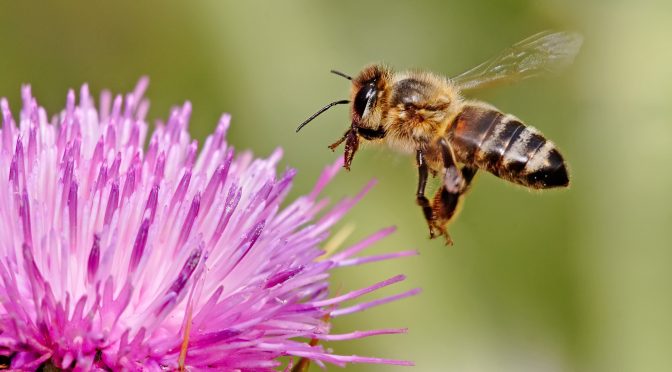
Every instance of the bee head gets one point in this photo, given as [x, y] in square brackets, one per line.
[365, 109]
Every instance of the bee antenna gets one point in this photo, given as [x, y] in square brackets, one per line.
[323, 109]
[341, 74]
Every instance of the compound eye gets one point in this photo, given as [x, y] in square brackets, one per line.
[366, 94]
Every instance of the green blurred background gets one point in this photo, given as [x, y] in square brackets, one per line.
[572, 280]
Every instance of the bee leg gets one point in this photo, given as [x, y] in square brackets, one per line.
[468, 174]
[446, 202]
[455, 183]
[334, 145]
[421, 200]
[351, 139]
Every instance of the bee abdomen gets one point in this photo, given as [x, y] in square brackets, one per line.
[507, 148]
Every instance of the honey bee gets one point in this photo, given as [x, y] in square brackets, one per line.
[424, 113]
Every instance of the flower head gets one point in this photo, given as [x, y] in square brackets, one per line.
[113, 257]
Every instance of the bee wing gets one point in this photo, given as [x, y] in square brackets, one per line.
[543, 53]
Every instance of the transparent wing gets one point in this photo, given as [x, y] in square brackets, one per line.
[545, 52]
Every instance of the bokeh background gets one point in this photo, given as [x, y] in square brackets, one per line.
[571, 280]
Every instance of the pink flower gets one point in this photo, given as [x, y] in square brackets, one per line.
[113, 257]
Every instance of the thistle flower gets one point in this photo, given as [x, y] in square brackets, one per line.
[113, 257]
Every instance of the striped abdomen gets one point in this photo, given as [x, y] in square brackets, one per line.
[484, 137]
